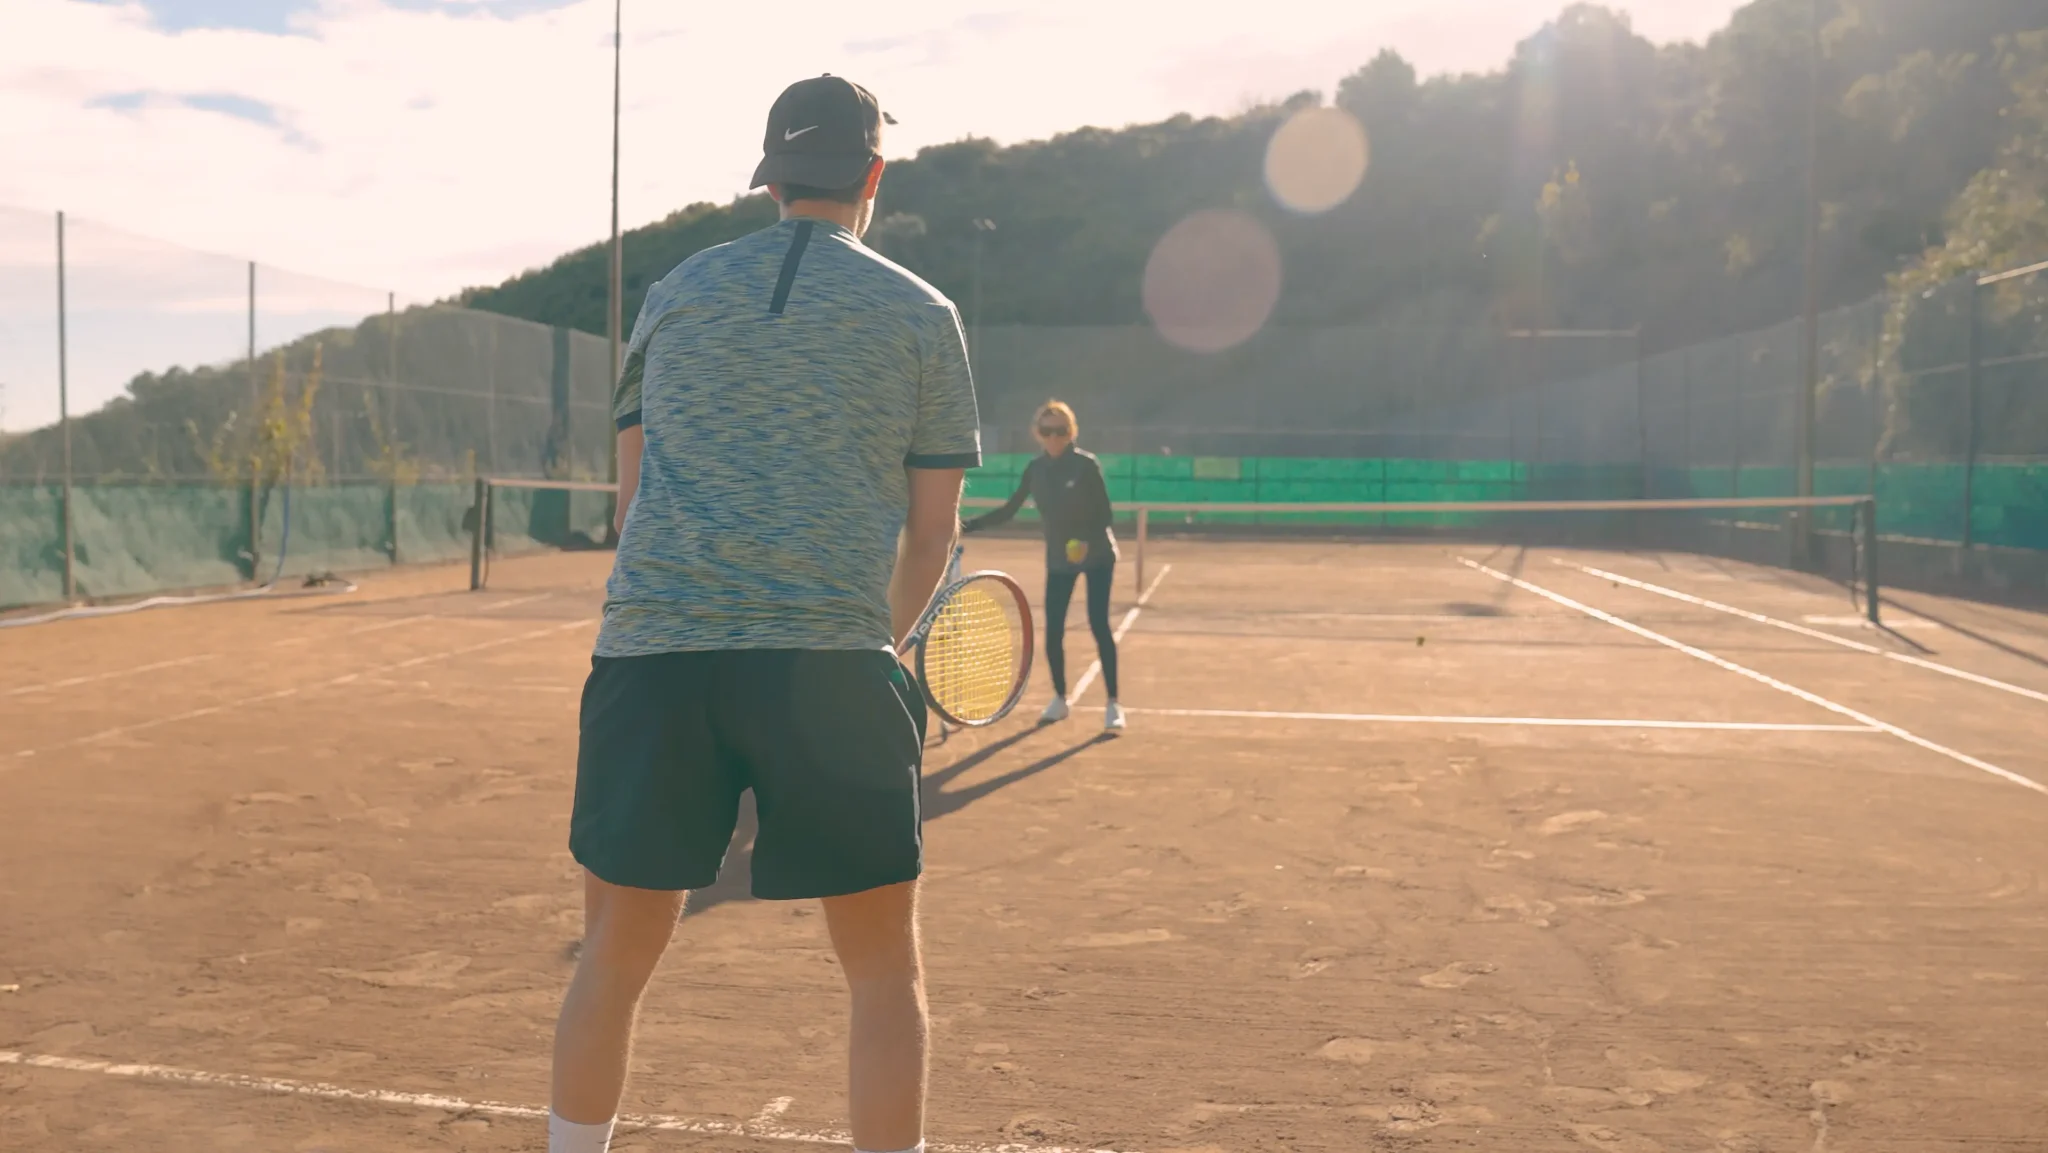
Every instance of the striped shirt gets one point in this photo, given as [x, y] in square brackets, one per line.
[784, 382]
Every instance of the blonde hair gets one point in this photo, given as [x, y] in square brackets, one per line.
[1060, 409]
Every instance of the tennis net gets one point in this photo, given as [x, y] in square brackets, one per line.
[1835, 536]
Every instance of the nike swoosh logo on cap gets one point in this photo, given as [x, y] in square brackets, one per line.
[788, 135]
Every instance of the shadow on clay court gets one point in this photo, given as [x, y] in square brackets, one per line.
[735, 879]
[1959, 630]
[1513, 568]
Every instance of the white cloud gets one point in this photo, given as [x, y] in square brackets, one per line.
[429, 150]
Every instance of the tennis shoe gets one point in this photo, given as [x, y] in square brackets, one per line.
[1113, 718]
[1054, 712]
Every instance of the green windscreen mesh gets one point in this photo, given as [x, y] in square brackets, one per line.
[137, 538]
[134, 539]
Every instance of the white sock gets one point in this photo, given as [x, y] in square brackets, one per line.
[569, 1137]
[917, 1148]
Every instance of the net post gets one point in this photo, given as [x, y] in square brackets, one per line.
[1866, 517]
[1144, 521]
[477, 531]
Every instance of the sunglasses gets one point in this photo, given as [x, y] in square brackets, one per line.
[1052, 430]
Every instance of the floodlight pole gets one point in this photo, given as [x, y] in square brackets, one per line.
[615, 292]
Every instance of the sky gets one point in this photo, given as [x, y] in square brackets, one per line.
[418, 147]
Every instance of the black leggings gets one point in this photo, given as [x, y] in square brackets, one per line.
[1059, 591]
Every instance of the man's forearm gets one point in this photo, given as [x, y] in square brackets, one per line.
[920, 566]
[632, 441]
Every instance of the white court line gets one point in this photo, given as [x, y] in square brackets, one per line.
[1531, 722]
[261, 698]
[72, 682]
[1760, 678]
[1130, 618]
[1892, 624]
[1816, 634]
[378, 627]
[514, 602]
[761, 1128]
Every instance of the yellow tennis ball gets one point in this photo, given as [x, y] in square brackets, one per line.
[1077, 551]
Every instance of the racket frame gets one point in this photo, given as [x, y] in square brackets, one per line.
[921, 636]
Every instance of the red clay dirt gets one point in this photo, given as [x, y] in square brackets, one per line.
[327, 845]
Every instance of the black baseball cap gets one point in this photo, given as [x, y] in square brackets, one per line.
[822, 132]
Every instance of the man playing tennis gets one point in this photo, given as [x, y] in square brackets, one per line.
[795, 416]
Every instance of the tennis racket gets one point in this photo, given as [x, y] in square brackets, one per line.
[974, 646]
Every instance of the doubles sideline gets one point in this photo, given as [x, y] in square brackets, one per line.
[1816, 634]
[1130, 618]
[1760, 678]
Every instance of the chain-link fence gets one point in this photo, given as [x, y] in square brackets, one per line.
[1935, 402]
[182, 365]
[1330, 393]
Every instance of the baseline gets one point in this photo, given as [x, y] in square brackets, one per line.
[1524, 722]
[761, 1128]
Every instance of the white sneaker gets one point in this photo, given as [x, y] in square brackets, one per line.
[1056, 711]
[1113, 718]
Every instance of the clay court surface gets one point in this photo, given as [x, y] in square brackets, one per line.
[291, 875]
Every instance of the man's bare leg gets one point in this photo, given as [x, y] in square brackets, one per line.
[875, 935]
[624, 933]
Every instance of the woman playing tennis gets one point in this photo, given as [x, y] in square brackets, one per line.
[1073, 504]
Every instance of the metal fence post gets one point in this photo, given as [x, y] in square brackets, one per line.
[64, 419]
[1685, 418]
[1642, 419]
[478, 533]
[255, 526]
[1971, 382]
[1866, 515]
[391, 517]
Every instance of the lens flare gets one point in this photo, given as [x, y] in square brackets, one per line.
[1316, 160]
[1212, 281]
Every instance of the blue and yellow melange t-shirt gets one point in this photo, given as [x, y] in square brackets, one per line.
[784, 382]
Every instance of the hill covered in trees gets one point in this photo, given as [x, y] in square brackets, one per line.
[1596, 181]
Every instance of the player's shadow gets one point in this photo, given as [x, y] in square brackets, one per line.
[735, 880]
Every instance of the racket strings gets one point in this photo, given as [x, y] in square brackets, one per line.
[971, 658]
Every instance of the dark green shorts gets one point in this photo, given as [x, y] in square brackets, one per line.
[830, 742]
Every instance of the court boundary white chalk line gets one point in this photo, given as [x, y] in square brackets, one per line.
[1802, 630]
[74, 682]
[1760, 678]
[759, 1129]
[261, 698]
[1509, 722]
[378, 627]
[1130, 618]
[515, 602]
